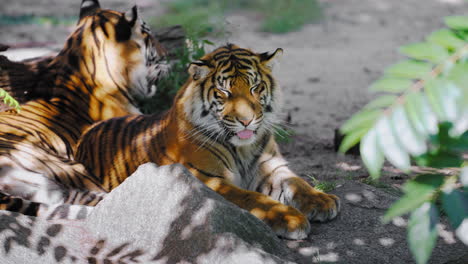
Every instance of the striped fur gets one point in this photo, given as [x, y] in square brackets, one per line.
[110, 59]
[25, 80]
[50, 212]
[221, 128]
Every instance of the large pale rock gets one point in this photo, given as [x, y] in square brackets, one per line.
[158, 215]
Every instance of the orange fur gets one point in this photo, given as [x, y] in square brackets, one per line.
[220, 128]
[108, 60]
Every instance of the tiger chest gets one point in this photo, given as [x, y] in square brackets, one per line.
[245, 170]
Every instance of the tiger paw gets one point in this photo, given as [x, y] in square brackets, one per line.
[316, 205]
[285, 220]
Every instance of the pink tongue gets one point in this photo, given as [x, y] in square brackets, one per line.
[245, 134]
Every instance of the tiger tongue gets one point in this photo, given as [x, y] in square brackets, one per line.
[245, 134]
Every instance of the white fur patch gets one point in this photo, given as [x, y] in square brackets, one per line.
[29, 185]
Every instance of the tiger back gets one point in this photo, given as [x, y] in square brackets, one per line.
[221, 127]
[110, 59]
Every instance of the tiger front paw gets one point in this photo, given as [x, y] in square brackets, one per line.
[316, 205]
[285, 220]
[320, 206]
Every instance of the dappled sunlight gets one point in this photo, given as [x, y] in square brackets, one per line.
[447, 236]
[386, 241]
[50, 242]
[259, 213]
[353, 197]
[452, 2]
[309, 251]
[359, 242]
[329, 257]
[399, 221]
[348, 167]
[198, 218]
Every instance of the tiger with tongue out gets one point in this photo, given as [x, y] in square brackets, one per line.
[221, 128]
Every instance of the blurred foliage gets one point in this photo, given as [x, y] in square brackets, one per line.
[287, 15]
[40, 20]
[197, 17]
[168, 86]
[421, 117]
[324, 186]
[202, 17]
[283, 134]
[8, 100]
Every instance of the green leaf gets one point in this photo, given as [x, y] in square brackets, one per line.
[455, 204]
[462, 232]
[446, 38]
[371, 154]
[417, 192]
[411, 141]
[381, 102]
[447, 142]
[352, 139]
[464, 176]
[392, 85]
[205, 41]
[439, 159]
[389, 145]
[364, 118]
[422, 232]
[461, 125]
[443, 95]
[425, 51]
[414, 106]
[458, 74]
[457, 22]
[410, 69]
[8, 100]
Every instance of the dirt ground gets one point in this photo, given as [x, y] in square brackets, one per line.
[325, 71]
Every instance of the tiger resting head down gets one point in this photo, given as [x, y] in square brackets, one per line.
[220, 128]
[110, 58]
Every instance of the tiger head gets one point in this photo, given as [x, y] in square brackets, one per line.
[232, 95]
[115, 50]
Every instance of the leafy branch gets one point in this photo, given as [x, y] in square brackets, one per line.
[8, 100]
[422, 118]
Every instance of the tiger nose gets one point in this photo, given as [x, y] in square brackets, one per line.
[245, 121]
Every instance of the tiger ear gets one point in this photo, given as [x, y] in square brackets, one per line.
[270, 59]
[124, 27]
[131, 16]
[89, 7]
[198, 70]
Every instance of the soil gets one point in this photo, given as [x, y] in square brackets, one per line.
[325, 71]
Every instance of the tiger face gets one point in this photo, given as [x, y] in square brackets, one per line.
[234, 97]
[116, 49]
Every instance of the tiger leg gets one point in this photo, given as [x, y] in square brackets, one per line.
[38, 188]
[56, 211]
[280, 183]
[285, 220]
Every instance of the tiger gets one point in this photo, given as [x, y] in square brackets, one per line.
[109, 60]
[221, 127]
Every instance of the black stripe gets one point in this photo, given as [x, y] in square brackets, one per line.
[32, 209]
[15, 205]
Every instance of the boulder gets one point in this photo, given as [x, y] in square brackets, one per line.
[158, 215]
